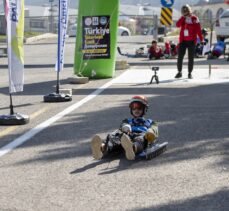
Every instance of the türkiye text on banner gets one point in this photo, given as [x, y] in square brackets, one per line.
[62, 33]
[14, 10]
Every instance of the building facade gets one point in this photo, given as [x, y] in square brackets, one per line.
[210, 9]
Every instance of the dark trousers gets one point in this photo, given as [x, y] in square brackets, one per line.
[190, 45]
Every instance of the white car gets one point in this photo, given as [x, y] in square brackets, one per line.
[72, 30]
[222, 25]
[122, 31]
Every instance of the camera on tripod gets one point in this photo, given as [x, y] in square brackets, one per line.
[155, 76]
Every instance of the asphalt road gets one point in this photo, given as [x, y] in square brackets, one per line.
[54, 170]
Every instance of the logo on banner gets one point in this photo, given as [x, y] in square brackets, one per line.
[103, 20]
[88, 21]
[95, 21]
[14, 14]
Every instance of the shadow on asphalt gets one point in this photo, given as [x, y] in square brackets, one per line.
[193, 120]
[216, 201]
[41, 88]
[17, 106]
[34, 66]
[124, 164]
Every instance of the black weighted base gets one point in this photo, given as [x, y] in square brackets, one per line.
[55, 97]
[14, 119]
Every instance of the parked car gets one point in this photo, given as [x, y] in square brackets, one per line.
[122, 31]
[222, 25]
[72, 30]
[150, 31]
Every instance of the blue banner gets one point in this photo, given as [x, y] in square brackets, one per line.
[62, 32]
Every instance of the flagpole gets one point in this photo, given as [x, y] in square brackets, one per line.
[58, 83]
[62, 30]
[10, 95]
[58, 52]
[11, 105]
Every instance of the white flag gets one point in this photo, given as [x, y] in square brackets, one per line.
[62, 32]
[14, 10]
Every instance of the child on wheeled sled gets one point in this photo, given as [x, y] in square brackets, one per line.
[134, 134]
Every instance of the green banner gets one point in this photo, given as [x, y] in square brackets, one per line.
[96, 38]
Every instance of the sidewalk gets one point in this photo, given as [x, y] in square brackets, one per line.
[140, 76]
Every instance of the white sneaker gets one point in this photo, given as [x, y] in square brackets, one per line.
[96, 144]
[128, 147]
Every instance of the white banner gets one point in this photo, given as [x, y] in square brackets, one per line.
[14, 10]
[62, 32]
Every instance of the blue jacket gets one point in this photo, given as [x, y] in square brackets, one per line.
[139, 125]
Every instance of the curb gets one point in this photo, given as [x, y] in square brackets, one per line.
[78, 80]
[39, 37]
[121, 65]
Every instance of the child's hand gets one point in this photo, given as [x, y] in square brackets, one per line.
[150, 136]
[126, 128]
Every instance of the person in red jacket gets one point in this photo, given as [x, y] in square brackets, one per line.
[155, 51]
[189, 30]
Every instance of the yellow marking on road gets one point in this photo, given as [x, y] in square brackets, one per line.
[37, 113]
[7, 131]
[12, 128]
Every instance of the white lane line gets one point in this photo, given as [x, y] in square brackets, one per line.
[28, 135]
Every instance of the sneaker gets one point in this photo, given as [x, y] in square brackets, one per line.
[190, 76]
[178, 75]
[128, 147]
[96, 147]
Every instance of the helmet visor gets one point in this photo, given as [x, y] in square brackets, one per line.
[136, 105]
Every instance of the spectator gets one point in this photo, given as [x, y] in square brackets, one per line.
[189, 30]
[167, 51]
[155, 52]
[199, 50]
[218, 50]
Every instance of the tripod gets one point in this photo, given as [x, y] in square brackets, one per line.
[155, 69]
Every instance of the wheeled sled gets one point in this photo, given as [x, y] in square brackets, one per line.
[153, 150]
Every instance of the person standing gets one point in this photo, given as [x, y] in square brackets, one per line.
[189, 30]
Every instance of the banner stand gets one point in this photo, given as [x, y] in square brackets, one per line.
[13, 118]
[56, 97]
[62, 30]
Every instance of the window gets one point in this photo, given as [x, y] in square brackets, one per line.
[219, 12]
[225, 14]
